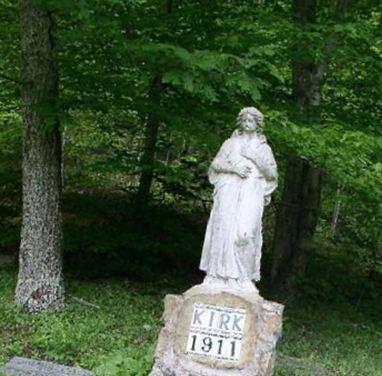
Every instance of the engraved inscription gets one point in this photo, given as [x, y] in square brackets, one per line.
[216, 332]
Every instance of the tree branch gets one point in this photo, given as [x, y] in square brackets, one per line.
[84, 302]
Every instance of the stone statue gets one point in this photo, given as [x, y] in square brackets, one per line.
[244, 174]
[223, 327]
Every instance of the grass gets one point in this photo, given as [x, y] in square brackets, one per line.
[337, 338]
[337, 325]
[125, 325]
[118, 337]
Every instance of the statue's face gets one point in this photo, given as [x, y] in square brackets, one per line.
[248, 123]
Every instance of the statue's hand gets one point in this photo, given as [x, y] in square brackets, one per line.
[243, 170]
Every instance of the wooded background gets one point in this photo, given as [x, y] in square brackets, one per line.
[121, 105]
[111, 112]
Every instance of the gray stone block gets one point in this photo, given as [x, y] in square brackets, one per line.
[30, 367]
[211, 332]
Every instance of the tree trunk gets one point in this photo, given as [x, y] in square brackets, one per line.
[296, 223]
[40, 281]
[151, 135]
[336, 210]
[298, 212]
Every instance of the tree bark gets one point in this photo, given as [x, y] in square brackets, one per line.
[295, 227]
[298, 211]
[40, 281]
[299, 208]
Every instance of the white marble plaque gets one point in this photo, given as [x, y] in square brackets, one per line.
[216, 332]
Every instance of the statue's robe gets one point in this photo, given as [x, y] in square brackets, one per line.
[233, 240]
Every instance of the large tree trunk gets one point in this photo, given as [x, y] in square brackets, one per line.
[40, 281]
[298, 210]
[299, 207]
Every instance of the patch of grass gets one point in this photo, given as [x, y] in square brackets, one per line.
[337, 324]
[338, 338]
[118, 338]
[127, 322]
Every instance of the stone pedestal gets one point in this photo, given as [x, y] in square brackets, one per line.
[211, 332]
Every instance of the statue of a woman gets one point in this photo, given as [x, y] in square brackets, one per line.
[244, 174]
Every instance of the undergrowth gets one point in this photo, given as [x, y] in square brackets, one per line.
[124, 267]
[117, 335]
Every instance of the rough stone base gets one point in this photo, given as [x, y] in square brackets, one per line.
[263, 324]
[29, 367]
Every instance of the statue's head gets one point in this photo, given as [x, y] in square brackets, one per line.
[250, 120]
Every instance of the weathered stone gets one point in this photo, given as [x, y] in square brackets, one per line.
[244, 175]
[254, 326]
[30, 367]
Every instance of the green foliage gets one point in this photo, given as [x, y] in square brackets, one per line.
[10, 178]
[9, 52]
[200, 73]
[211, 58]
[126, 363]
[97, 152]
